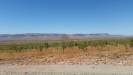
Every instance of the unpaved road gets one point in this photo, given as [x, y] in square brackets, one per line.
[66, 70]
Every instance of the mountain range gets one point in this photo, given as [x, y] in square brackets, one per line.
[55, 36]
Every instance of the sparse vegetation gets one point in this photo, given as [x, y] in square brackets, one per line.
[64, 44]
[61, 45]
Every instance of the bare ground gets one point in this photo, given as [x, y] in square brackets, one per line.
[82, 59]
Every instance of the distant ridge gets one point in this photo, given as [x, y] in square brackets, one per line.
[54, 36]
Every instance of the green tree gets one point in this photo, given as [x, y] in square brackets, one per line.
[46, 45]
[63, 45]
[83, 46]
[131, 43]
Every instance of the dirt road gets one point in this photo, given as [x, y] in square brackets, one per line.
[66, 70]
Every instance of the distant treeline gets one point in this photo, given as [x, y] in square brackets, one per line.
[81, 44]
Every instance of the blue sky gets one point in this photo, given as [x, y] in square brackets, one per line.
[66, 16]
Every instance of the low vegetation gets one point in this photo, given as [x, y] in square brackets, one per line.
[100, 45]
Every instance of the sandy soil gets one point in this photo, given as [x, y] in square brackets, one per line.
[83, 59]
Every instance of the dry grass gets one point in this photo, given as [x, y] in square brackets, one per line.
[70, 52]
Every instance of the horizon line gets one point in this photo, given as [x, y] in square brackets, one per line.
[66, 33]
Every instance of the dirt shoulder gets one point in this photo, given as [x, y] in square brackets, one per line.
[82, 59]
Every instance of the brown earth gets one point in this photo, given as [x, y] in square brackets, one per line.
[93, 55]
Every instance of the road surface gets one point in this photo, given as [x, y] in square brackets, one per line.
[66, 70]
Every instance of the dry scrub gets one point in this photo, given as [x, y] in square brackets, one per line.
[72, 52]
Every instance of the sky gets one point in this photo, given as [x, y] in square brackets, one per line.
[66, 16]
